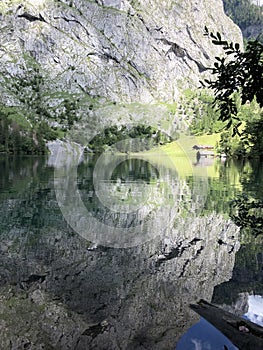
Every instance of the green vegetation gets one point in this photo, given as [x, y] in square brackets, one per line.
[203, 116]
[248, 143]
[33, 114]
[145, 137]
[239, 96]
[244, 13]
[208, 129]
[18, 137]
[238, 72]
[247, 213]
[180, 155]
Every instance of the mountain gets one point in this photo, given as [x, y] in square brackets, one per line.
[122, 50]
[100, 63]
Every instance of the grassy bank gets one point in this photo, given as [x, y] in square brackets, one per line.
[180, 156]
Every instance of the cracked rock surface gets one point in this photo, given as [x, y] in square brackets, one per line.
[122, 50]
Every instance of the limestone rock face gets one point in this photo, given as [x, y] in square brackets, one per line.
[123, 50]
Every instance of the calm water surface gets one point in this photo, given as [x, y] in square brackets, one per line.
[109, 253]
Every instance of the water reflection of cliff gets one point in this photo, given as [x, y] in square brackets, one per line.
[128, 209]
[61, 291]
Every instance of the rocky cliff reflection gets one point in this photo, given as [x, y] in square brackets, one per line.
[58, 290]
[122, 202]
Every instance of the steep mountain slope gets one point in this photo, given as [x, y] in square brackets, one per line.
[122, 50]
[101, 63]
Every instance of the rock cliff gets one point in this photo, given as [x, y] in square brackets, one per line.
[122, 50]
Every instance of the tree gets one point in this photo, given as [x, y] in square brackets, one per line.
[245, 14]
[241, 73]
[42, 112]
[238, 71]
[32, 90]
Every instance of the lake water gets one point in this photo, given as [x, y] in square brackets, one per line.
[108, 252]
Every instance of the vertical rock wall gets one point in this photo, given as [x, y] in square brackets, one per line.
[122, 50]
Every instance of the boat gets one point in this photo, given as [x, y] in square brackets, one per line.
[241, 332]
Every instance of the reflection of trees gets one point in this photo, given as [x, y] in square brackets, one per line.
[246, 212]
[222, 189]
[247, 209]
[219, 196]
[247, 274]
[131, 169]
[236, 177]
[132, 183]
[252, 179]
[19, 173]
[135, 169]
[26, 185]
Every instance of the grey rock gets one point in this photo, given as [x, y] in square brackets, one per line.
[125, 61]
[122, 50]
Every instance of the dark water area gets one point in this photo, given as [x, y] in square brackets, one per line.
[108, 253]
